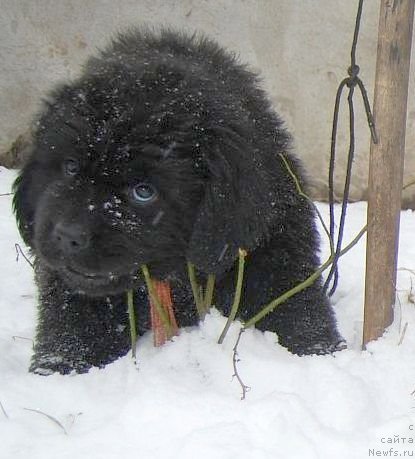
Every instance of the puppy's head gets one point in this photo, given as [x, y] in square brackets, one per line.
[144, 164]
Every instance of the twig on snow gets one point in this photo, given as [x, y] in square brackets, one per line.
[19, 251]
[4, 411]
[235, 360]
[51, 418]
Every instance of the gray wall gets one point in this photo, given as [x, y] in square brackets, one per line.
[301, 48]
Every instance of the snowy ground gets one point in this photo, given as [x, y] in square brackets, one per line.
[182, 402]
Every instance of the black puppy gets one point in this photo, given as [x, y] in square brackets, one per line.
[164, 151]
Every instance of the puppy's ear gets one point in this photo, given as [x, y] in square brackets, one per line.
[25, 191]
[239, 205]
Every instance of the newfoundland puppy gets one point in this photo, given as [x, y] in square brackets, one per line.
[164, 151]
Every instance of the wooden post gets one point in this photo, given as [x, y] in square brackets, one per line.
[386, 163]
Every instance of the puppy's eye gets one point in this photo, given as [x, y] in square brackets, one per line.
[143, 193]
[71, 166]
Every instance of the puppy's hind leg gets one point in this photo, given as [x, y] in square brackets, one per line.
[305, 324]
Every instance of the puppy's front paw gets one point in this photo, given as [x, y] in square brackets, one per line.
[322, 348]
[48, 364]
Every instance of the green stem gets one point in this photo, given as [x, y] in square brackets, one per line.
[306, 283]
[162, 313]
[237, 297]
[409, 184]
[210, 286]
[196, 290]
[131, 316]
[301, 193]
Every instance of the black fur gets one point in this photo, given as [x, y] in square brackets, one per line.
[185, 118]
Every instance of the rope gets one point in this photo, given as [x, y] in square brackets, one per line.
[351, 81]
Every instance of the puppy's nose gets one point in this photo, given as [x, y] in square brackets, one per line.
[70, 238]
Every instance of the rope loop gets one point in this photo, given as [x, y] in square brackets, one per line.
[353, 72]
[351, 82]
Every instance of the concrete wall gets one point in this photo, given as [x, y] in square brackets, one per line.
[301, 48]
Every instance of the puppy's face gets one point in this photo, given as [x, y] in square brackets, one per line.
[147, 164]
[107, 197]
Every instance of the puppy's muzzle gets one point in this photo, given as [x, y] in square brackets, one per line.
[70, 238]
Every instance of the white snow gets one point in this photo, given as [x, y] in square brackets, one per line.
[182, 401]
